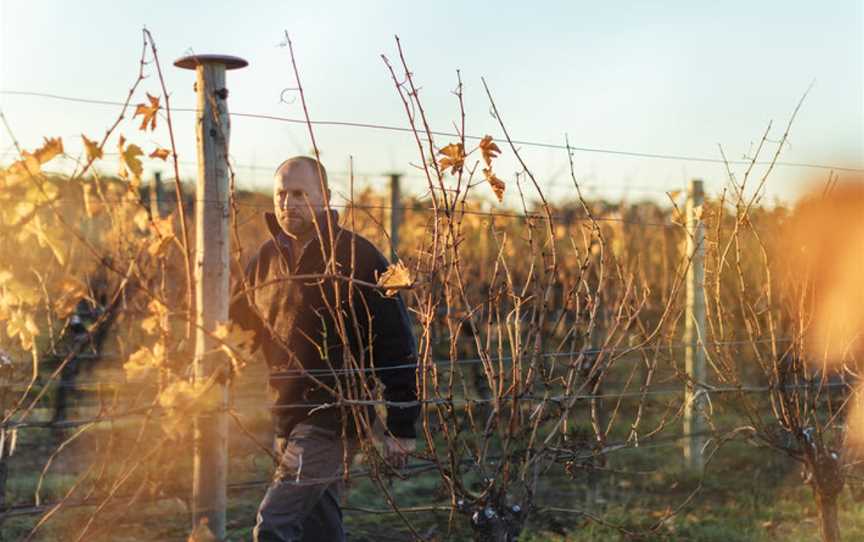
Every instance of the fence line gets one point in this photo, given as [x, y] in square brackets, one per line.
[153, 411]
[409, 471]
[364, 176]
[442, 362]
[403, 129]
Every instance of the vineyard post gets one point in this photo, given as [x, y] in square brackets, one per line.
[694, 330]
[212, 130]
[156, 195]
[395, 215]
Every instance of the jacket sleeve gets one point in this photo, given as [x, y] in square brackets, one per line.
[394, 352]
[240, 311]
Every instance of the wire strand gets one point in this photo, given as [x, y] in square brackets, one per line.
[404, 129]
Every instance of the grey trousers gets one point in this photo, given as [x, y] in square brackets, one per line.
[302, 502]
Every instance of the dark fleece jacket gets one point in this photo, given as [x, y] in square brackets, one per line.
[294, 324]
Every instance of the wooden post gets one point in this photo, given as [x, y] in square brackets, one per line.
[395, 215]
[7, 435]
[156, 196]
[694, 330]
[210, 440]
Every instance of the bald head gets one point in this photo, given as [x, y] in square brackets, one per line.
[299, 192]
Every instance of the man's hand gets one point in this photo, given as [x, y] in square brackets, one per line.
[396, 450]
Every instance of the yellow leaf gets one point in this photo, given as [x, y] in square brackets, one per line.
[19, 294]
[673, 194]
[22, 326]
[144, 362]
[44, 193]
[177, 395]
[72, 291]
[142, 219]
[49, 150]
[148, 113]
[202, 533]
[183, 400]
[5, 276]
[159, 246]
[36, 229]
[396, 277]
[22, 170]
[497, 184]
[238, 343]
[489, 150]
[160, 153]
[58, 253]
[129, 161]
[150, 325]
[94, 151]
[164, 226]
[158, 308]
[22, 211]
[454, 158]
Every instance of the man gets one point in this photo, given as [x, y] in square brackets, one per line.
[309, 317]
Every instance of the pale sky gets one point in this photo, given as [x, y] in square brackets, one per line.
[674, 78]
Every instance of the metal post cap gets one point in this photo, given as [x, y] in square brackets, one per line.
[193, 61]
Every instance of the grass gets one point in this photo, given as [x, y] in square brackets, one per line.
[747, 493]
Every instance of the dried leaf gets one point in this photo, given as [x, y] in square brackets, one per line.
[22, 170]
[238, 343]
[158, 314]
[235, 336]
[489, 150]
[43, 193]
[23, 210]
[454, 158]
[202, 533]
[183, 400]
[144, 362]
[49, 150]
[142, 219]
[673, 195]
[34, 228]
[160, 153]
[17, 294]
[164, 227]
[129, 161]
[148, 113]
[72, 291]
[497, 184]
[396, 277]
[159, 246]
[21, 325]
[150, 325]
[94, 151]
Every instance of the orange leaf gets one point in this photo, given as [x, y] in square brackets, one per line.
[148, 113]
[489, 149]
[454, 158]
[497, 184]
[396, 277]
[72, 291]
[94, 151]
[160, 153]
[49, 150]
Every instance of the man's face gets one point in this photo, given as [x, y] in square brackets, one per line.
[296, 197]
